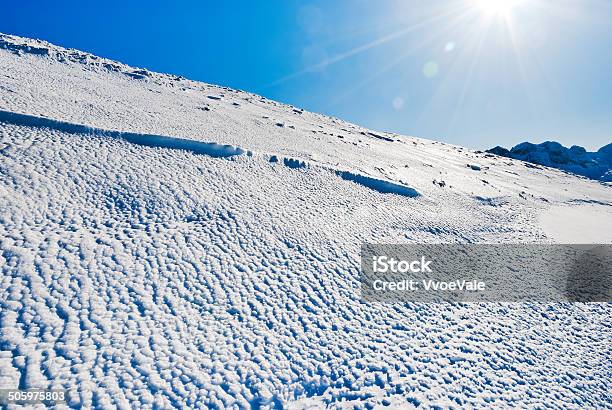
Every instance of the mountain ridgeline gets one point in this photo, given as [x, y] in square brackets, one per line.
[595, 165]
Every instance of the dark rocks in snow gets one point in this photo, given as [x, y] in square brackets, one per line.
[440, 183]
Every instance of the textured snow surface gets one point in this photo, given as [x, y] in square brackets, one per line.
[165, 242]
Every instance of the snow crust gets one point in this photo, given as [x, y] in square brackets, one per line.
[162, 248]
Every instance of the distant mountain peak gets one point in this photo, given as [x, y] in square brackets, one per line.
[577, 160]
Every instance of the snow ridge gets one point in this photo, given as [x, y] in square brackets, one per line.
[211, 149]
[21, 45]
[378, 184]
[148, 140]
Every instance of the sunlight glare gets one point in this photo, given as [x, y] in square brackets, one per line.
[496, 7]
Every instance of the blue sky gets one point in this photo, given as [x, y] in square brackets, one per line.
[464, 71]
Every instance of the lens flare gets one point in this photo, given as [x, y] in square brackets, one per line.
[496, 7]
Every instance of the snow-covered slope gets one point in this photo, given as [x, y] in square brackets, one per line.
[596, 165]
[173, 243]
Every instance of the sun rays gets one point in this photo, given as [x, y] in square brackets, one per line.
[440, 63]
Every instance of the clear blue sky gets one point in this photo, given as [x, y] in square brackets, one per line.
[464, 71]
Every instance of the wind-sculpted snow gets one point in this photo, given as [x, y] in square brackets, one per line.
[148, 140]
[197, 147]
[294, 163]
[142, 276]
[378, 184]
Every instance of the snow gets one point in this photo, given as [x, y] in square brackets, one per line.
[148, 140]
[595, 165]
[588, 223]
[157, 253]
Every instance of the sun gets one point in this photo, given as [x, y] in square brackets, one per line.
[496, 7]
